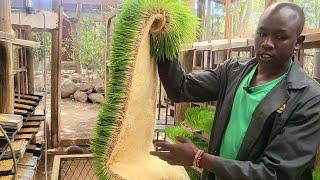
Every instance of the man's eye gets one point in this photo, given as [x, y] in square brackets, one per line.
[282, 38]
[262, 34]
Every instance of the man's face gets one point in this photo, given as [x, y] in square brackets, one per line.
[276, 37]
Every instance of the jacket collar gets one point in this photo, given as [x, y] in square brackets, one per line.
[297, 78]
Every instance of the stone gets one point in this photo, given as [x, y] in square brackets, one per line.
[99, 88]
[96, 98]
[86, 87]
[77, 78]
[68, 88]
[80, 96]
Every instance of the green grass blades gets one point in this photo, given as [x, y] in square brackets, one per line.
[200, 118]
[181, 28]
[173, 131]
[316, 174]
[192, 174]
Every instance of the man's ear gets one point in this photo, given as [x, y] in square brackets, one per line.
[299, 42]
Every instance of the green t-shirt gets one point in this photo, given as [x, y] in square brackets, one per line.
[243, 107]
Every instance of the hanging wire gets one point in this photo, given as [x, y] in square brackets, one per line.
[45, 98]
[12, 151]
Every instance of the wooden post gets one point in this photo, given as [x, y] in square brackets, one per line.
[6, 61]
[56, 77]
[301, 57]
[316, 67]
[186, 63]
[108, 20]
[30, 69]
[77, 59]
[267, 3]
[228, 26]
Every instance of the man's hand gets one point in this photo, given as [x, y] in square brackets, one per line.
[176, 154]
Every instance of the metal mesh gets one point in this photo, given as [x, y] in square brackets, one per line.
[77, 169]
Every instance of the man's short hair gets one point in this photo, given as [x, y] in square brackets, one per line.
[294, 7]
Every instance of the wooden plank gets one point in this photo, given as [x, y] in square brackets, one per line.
[56, 77]
[23, 106]
[312, 37]
[32, 97]
[27, 102]
[312, 40]
[36, 118]
[31, 123]
[187, 65]
[6, 62]
[26, 43]
[7, 37]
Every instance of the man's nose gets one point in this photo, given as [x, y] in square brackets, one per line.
[268, 43]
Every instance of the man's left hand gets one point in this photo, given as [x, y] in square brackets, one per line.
[176, 154]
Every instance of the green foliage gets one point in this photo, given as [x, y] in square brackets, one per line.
[218, 20]
[200, 119]
[173, 131]
[128, 26]
[312, 12]
[45, 41]
[192, 174]
[316, 174]
[87, 43]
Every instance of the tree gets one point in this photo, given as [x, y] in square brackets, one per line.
[87, 39]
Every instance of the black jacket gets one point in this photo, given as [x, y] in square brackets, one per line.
[282, 139]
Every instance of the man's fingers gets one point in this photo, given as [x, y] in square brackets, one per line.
[162, 149]
[181, 139]
[163, 145]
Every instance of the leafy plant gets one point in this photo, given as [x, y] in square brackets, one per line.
[165, 44]
[173, 131]
[316, 174]
[200, 119]
[192, 174]
[86, 43]
[45, 42]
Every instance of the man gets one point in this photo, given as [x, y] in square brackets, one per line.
[267, 122]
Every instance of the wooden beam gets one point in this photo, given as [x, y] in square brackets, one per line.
[30, 69]
[301, 57]
[56, 77]
[186, 58]
[316, 66]
[6, 62]
[108, 20]
[7, 37]
[267, 3]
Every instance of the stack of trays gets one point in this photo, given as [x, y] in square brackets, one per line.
[27, 137]
[6, 167]
[8, 177]
[1, 134]
[9, 121]
[19, 147]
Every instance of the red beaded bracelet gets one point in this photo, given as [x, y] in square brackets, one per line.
[197, 158]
